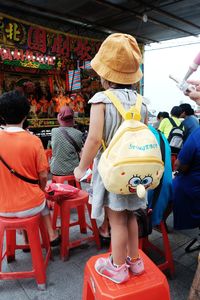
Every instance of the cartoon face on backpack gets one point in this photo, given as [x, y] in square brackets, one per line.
[137, 180]
[142, 181]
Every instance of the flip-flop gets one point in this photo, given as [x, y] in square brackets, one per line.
[108, 238]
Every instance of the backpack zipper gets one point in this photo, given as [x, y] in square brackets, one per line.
[147, 159]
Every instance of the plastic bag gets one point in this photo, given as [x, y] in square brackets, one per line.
[56, 191]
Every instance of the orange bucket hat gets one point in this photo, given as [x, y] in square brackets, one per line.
[118, 59]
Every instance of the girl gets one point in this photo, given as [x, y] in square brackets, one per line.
[117, 63]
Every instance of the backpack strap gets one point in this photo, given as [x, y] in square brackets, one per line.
[174, 123]
[12, 171]
[136, 109]
[132, 113]
[157, 190]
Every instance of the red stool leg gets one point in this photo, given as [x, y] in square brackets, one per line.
[80, 209]
[167, 249]
[81, 218]
[44, 235]
[45, 241]
[1, 245]
[140, 243]
[10, 245]
[94, 227]
[65, 222]
[37, 257]
[87, 291]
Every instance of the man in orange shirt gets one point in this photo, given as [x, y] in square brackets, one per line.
[24, 153]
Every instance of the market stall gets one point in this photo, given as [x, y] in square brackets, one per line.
[51, 68]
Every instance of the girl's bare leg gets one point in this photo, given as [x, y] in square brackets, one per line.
[104, 228]
[119, 235]
[132, 236]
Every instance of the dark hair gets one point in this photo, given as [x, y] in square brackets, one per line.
[165, 114]
[176, 111]
[25, 124]
[187, 109]
[14, 107]
[2, 122]
[159, 115]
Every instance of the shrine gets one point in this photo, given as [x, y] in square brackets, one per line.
[51, 68]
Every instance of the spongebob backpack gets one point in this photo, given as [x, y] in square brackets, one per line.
[132, 162]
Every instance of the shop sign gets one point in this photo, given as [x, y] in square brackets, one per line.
[38, 40]
[35, 123]
[27, 64]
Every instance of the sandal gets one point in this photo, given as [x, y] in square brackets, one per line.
[105, 239]
[56, 242]
[104, 235]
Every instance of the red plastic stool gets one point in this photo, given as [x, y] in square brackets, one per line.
[70, 179]
[145, 244]
[79, 200]
[32, 226]
[152, 285]
[173, 159]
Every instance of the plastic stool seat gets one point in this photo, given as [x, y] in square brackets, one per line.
[151, 285]
[32, 226]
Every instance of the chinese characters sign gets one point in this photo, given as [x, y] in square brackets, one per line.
[38, 44]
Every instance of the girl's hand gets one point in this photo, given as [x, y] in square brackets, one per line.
[78, 173]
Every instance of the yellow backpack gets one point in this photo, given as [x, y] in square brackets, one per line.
[132, 162]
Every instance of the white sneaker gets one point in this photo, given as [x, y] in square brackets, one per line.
[136, 267]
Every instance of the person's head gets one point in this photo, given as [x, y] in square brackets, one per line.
[165, 114]
[66, 116]
[176, 111]
[14, 107]
[118, 60]
[186, 109]
[159, 116]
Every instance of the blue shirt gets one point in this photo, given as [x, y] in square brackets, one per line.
[186, 186]
[190, 155]
[190, 124]
[166, 189]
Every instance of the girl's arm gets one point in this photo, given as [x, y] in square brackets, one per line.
[93, 141]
